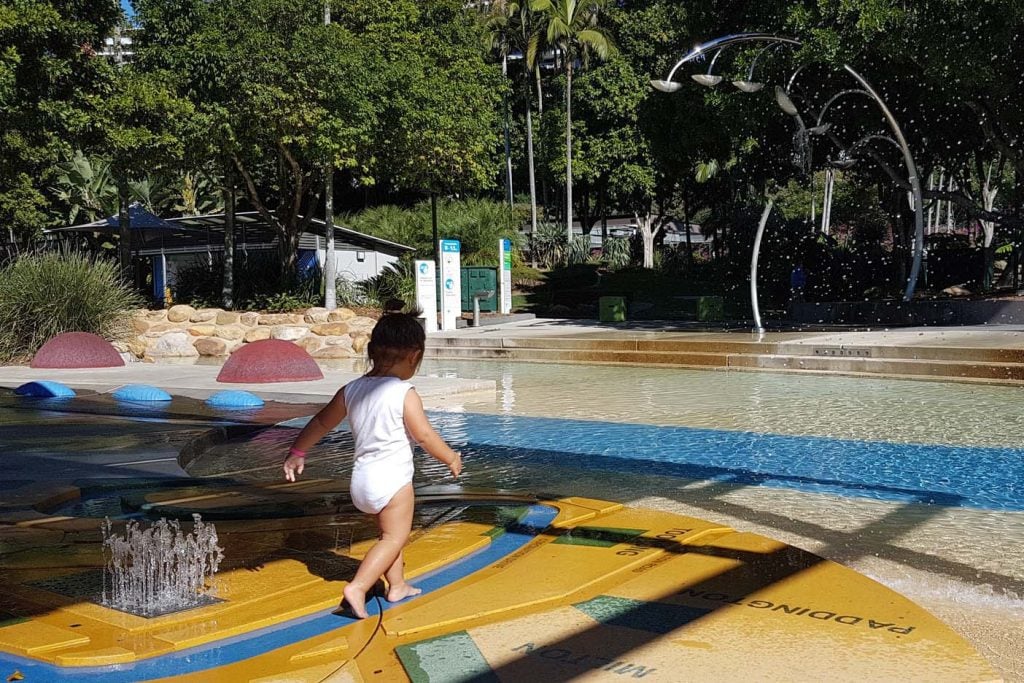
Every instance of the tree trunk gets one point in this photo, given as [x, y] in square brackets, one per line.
[124, 230]
[330, 272]
[533, 185]
[603, 210]
[900, 236]
[540, 124]
[988, 197]
[568, 147]
[686, 220]
[586, 216]
[228, 291]
[330, 268]
[644, 223]
[508, 152]
[433, 225]
[289, 222]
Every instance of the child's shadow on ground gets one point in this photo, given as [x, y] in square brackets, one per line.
[326, 553]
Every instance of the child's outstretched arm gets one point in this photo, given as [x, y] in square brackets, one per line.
[324, 421]
[423, 433]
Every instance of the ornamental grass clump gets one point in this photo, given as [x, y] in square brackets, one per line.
[46, 294]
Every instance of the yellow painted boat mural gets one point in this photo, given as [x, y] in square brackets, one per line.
[514, 589]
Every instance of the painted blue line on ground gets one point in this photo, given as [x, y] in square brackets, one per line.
[954, 476]
[238, 648]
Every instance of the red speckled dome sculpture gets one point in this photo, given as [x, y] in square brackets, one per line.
[77, 350]
[270, 360]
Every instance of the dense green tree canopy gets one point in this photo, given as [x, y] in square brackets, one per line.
[393, 93]
[49, 76]
[404, 98]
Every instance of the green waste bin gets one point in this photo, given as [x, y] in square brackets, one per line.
[478, 279]
[612, 309]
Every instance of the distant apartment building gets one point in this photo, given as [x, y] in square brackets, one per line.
[119, 47]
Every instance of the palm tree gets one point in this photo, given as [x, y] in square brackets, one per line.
[572, 29]
[510, 26]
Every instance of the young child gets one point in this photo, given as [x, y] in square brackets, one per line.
[384, 411]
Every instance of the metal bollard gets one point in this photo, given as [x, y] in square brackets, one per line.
[481, 294]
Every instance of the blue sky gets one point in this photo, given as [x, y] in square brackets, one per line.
[127, 7]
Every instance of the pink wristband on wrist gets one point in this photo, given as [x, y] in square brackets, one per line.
[294, 452]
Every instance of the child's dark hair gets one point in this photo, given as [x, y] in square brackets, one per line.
[394, 335]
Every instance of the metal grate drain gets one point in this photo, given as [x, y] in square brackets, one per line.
[842, 351]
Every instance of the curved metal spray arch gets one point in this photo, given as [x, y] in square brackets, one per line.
[698, 52]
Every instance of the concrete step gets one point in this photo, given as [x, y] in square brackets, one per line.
[739, 346]
[604, 344]
[572, 355]
[753, 356]
[952, 370]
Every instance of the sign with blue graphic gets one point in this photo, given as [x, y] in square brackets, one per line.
[505, 276]
[426, 294]
[451, 277]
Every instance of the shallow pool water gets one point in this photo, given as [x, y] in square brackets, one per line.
[764, 402]
[915, 442]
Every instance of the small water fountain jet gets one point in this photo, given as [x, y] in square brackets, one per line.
[159, 569]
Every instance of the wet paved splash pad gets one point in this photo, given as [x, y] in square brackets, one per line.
[759, 403]
[514, 589]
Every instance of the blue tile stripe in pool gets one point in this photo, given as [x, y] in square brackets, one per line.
[955, 476]
[230, 650]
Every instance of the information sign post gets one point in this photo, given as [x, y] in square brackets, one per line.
[505, 276]
[451, 283]
[426, 294]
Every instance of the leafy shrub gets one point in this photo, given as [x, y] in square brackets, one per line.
[283, 302]
[617, 253]
[552, 247]
[523, 275]
[396, 281]
[46, 294]
[259, 283]
[674, 260]
[349, 293]
[200, 284]
[578, 250]
[477, 223]
[547, 243]
[480, 258]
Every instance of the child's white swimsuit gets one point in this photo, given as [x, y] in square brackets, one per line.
[383, 463]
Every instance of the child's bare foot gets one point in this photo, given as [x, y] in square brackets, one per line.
[356, 600]
[402, 591]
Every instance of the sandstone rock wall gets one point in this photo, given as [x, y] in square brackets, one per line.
[186, 332]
